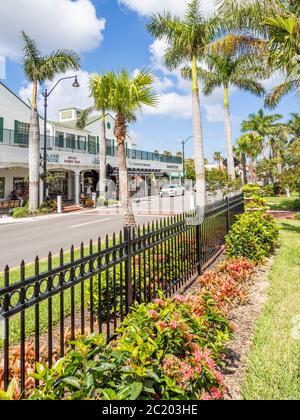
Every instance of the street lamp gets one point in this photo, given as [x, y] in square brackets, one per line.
[46, 95]
[184, 142]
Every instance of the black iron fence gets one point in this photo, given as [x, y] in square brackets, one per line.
[91, 289]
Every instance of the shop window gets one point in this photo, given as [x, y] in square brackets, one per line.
[71, 141]
[2, 187]
[20, 183]
[92, 145]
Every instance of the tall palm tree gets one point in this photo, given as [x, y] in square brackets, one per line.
[187, 39]
[38, 69]
[277, 21]
[226, 70]
[294, 127]
[250, 145]
[127, 97]
[99, 91]
[262, 124]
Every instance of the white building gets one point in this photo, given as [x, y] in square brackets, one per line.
[72, 154]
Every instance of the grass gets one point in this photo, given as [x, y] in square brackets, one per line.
[273, 367]
[284, 203]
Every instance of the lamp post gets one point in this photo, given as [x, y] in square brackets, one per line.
[184, 142]
[46, 95]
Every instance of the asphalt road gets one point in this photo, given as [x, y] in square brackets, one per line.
[26, 240]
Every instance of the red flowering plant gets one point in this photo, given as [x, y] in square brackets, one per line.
[229, 284]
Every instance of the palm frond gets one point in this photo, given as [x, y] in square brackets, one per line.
[83, 117]
[248, 85]
[58, 62]
[274, 97]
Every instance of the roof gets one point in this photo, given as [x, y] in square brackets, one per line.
[70, 124]
[16, 96]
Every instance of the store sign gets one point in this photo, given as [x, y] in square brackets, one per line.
[72, 160]
[53, 158]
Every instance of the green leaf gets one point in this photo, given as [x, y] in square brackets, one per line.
[73, 381]
[135, 390]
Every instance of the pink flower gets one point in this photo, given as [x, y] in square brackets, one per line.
[219, 377]
[173, 324]
[187, 371]
[180, 298]
[162, 325]
[153, 314]
[216, 394]
[206, 397]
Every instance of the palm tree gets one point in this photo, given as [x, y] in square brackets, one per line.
[127, 96]
[38, 69]
[228, 70]
[187, 39]
[277, 21]
[217, 157]
[250, 145]
[262, 124]
[294, 127]
[99, 91]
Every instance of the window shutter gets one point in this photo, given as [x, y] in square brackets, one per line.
[98, 147]
[1, 129]
[16, 132]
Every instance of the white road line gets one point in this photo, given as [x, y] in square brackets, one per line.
[89, 223]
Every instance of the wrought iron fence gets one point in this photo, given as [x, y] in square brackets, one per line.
[92, 289]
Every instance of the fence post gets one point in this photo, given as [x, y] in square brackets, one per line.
[199, 248]
[128, 272]
[228, 215]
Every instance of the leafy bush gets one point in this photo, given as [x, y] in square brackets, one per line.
[251, 189]
[298, 216]
[256, 202]
[21, 212]
[268, 190]
[168, 349]
[253, 236]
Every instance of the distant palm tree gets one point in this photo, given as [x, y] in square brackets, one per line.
[38, 69]
[250, 144]
[167, 153]
[218, 158]
[262, 124]
[186, 39]
[127, 96]
[226, 70]
[99, 91]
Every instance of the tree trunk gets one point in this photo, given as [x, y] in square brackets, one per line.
[34, 155]
[279, 163]
[244, 164]
[251, 166]
[199, 146]
[228, 136]
[102, 157]
[120, 133]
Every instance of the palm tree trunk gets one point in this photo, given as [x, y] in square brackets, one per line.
[120, 132]
[102, 158]
[251, 166]
[299, 92]
[228, 135]
[34, 154]
[244, 164]
[198, 139]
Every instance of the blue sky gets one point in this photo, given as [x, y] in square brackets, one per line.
[111, 34]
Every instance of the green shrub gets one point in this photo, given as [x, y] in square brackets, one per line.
[253, 236]
[18, 213]
[298, 216]
[251, 189]
[169, 349]
[256, 202]
[268, 191]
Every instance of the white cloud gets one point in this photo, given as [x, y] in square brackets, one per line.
[178, 7]
[173, 105]
[276, 79]
[63, 96]
[53, 23]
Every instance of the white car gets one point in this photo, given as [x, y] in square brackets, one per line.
[173, 190]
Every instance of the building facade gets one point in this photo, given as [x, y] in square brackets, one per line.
[72, 154]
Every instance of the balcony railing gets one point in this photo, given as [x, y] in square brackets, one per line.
[11, 138]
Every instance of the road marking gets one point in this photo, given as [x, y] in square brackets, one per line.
[90, 223]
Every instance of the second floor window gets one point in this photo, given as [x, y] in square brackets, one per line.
[81, 142]
[71, 141]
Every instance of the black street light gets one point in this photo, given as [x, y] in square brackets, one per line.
[46, 95]
[184, 142]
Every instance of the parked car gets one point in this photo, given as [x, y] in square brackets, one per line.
[173, 190]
